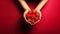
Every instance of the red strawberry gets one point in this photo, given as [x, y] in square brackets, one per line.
[30, 12]
[32, 16]
[32, 21]
[27, 15]
[36, 13]
[37, 18]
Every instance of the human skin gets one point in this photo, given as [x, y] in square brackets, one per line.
[39, 6]
[27, 9]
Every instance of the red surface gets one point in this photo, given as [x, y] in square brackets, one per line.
[10, 15]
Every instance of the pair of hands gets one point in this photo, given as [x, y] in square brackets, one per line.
[27, 9]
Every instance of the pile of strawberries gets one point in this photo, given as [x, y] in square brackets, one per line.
[33, 16]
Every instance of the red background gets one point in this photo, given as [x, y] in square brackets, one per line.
[11, 18]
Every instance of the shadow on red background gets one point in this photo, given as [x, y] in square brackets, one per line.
[12, 21]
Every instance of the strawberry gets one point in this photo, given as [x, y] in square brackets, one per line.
[27, 15]
[37, 18]
[30, 12]
[36, 13]
[32, 21]
[32, 16]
